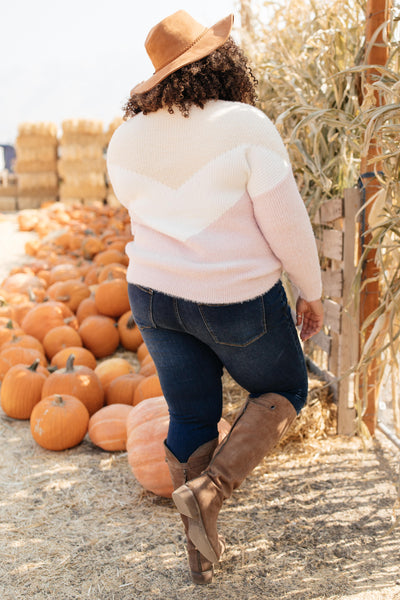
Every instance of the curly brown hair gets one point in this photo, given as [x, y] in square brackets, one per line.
[224, 74]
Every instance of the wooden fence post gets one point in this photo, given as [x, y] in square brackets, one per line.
[334, 351]
[349, 343]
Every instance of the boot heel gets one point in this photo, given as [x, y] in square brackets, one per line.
[185, 502]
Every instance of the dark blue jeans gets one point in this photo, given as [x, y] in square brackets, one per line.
[191, 342]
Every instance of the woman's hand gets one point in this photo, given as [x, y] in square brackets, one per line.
[310, 315]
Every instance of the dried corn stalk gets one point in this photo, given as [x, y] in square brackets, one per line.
[309, 59]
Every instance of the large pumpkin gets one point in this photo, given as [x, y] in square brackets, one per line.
[147, 428]
[59, 422]
[107, 428]
[43, 317]
[80, 381]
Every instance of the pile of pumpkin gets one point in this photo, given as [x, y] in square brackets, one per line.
[63, 317]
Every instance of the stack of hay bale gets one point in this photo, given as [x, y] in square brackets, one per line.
[82, 164]
[36, 164]
[111, 199]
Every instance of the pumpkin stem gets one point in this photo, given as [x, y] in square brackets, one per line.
[34, 365]
[9, 324]
[69, 367]
[58, 400]
[31, 295]
[130, 324]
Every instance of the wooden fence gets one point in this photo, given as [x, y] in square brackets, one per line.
[335, 349]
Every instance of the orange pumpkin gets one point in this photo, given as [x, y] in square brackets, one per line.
[6, 310]
[20, 310]
[142, 351]
[21, 389]
[15, 356]
[109, 369]
[87, 308]
[23, 283]
[129, 333]
[60, 337]
[69, 291]
[92, 275]
[78, 381]
[107, 428]
[59, 422]
[43, 317]
[100, 335]
[63, 272]
[147, 428]
[110, 256]
[113, 271]
[122, 389]
[9, 330]
[83, 356]
[112, 298]
[148, 367]
[23, 341]
[150, 387]
[91, 246]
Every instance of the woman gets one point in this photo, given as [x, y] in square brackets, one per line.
[216, 217]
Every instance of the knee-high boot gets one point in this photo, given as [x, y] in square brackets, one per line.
[258, 428]
[201, 568]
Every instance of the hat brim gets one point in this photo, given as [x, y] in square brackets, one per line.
[213, 38]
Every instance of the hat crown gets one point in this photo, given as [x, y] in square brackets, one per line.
[172, 37]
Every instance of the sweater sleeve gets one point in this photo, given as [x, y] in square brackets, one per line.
[282, 217]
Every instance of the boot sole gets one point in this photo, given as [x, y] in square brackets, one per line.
[185, 501]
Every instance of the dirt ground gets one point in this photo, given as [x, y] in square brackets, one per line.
[314, 521]
[318, 519]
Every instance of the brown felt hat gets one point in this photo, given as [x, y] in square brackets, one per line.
[179, 40]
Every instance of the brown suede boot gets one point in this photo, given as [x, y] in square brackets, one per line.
[200, 567]
[258, 428]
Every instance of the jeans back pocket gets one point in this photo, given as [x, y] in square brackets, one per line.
[238, 324]
[141, 301]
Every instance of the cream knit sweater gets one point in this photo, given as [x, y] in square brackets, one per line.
[216, 214]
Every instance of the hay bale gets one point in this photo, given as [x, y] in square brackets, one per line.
[36, 184]
[44, 130]
[75, 152]
[87, 185]
[91, 127]
[70, 168]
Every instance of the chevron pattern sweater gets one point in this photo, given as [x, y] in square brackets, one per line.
[216, 214]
